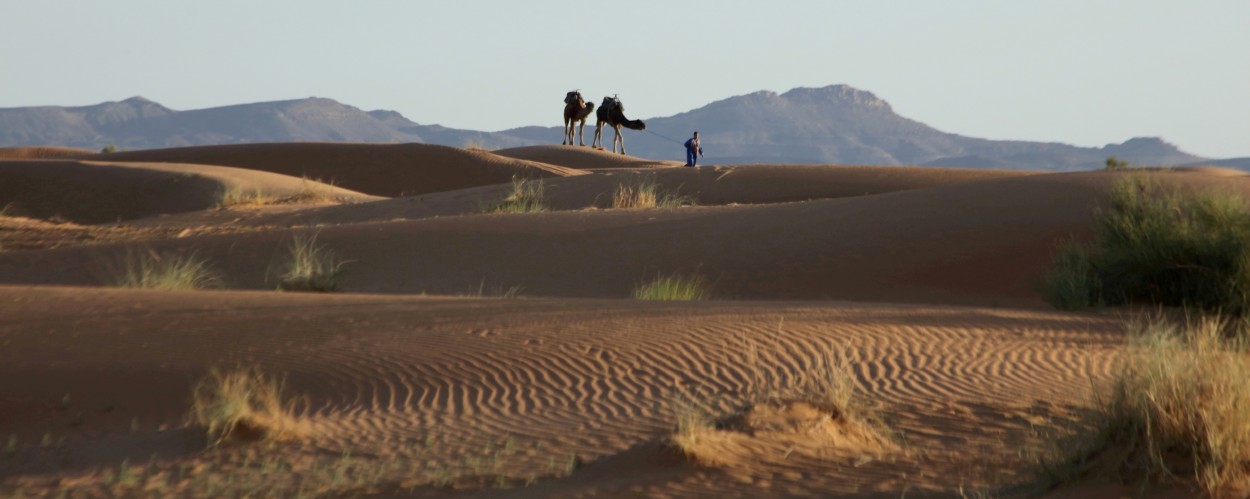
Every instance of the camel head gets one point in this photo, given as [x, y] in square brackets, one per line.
[574, 97]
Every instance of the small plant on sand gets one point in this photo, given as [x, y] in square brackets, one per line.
[310, 267]
[1176, 409]
[242, 405]
[108, 149]
[674, 287]
[526, 197]
[645, 193]
[1159, 245]
[239, 196]
[1114, 163]
[167, 271]
[475, 145]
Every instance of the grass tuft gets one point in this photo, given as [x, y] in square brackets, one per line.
[242, 405]
[310, 267]
[166, 271]
[1176, 409]
[526, 197]
[674, 287]
[1158, 245]
[646, 193]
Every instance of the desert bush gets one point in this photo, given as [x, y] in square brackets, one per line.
[108, 149]
[476, 145]
[1113, 163]
[168, 271]
[674, 287]
[238, 196]
[1158, 245]
[310, 267]
[526, 197]
[645, 193]
[1176, 409]
[242, 405]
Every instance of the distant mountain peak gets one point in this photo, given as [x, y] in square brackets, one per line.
[840, 93]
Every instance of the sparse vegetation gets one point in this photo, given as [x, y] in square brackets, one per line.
[1159, 245]
[817, 403]
[310, 267]
[1175, 410]
[168, 271]
[497, 291]
[475, 145]
[310, 191]
[242, 405]
[1114, 163]
[108, 149]
[238, 196]
[674, 287]
[526, 197]
[645, 193]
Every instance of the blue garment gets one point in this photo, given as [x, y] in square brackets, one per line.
[693, 150]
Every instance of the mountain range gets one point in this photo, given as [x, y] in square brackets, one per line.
[836, 124]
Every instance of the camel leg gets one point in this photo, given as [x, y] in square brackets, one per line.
[581, 133]
[597, 141]
[618, 138]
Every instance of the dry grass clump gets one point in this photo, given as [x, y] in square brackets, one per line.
[242, 405]
[310, 267]
[1177, 409]
[310, 191]
[645, 193]
[166, 271]
[526, 197]
[814, 410]
[674, 287]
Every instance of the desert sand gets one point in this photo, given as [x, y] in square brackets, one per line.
[479, 354]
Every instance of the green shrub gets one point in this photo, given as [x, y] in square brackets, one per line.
[673, 288]
[526, 197]
[1114, 163]
[1158, 245]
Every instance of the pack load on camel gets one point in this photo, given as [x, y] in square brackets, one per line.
[612, 113]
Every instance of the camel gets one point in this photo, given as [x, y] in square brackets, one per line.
[612, 112]
[576, 110]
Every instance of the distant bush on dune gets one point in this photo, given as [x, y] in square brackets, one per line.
[1161, 246]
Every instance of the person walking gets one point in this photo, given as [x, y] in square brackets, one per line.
[693, 150]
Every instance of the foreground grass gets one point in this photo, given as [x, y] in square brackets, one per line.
[166, 271]
[674, 287]
[1158, 245]
[242, 405]
[1176, 411]
[526, 197]
[645, 193]
[310, 267]
[781, 408]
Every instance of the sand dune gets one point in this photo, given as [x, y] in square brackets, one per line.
[96, 191]
[377, 169]
[983, 242]
[921, 280]
[44, 152]
[755, 184]
[583, 158]
[548, 379]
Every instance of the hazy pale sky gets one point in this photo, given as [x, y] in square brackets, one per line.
[1084, 72]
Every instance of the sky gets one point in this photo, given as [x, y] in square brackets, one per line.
[1082, 72]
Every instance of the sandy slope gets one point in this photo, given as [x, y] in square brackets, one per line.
[378, 169]
[582, 158]
[756, 184]
[45, 152]
[922, 279]
[97, 191]
[555, 378]
[985, 242]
